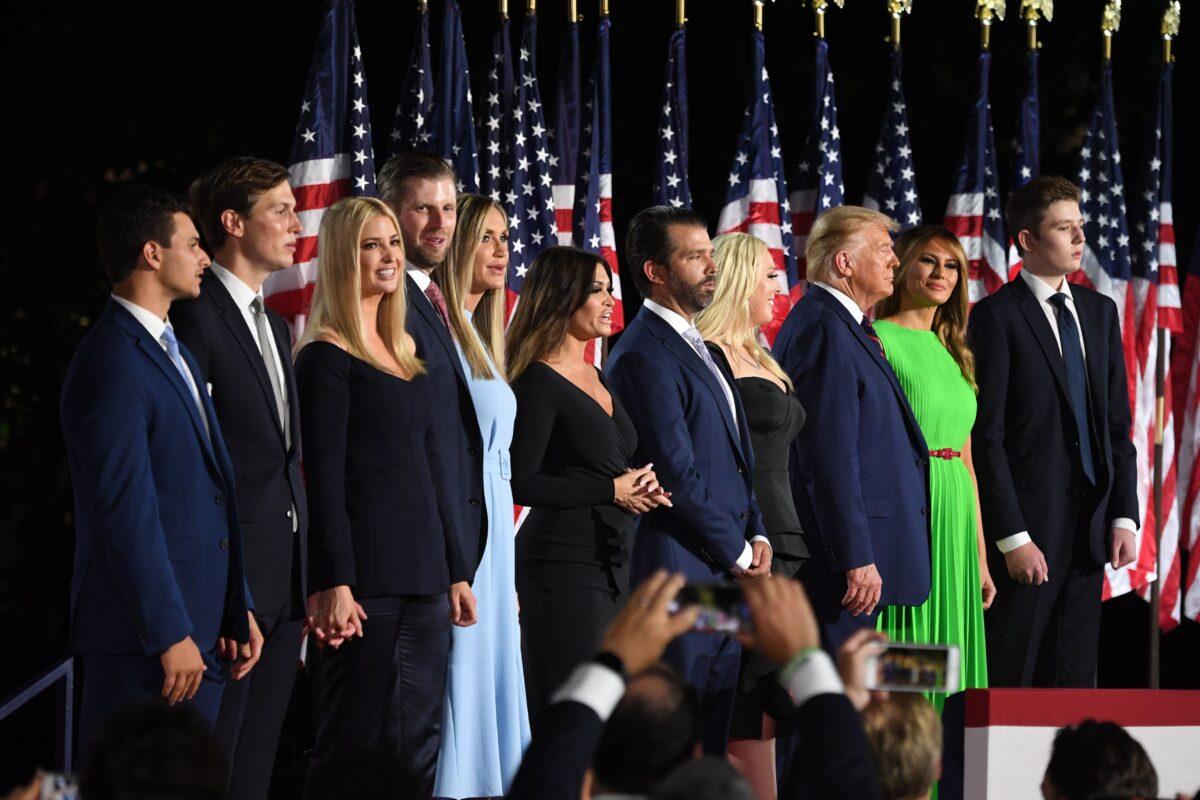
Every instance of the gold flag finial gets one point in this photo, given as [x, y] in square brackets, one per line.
[1112, 17]
[897, 8]
[680, 12]
[819, 8]
[1032, 11]
[986, 11]
[1170, 29]
[758, 14]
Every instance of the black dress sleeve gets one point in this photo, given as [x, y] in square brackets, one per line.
[323, 381]
[540, 405]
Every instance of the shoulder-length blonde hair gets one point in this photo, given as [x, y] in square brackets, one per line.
[739, 258]
[559, 282]
[454, 276]
[337, 301]
[950, 319]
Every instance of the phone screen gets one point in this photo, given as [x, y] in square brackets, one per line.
[722, 609]
[913, 668]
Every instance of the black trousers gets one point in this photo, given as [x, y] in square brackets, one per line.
[1048, 636]
[386, 690]
[561, 627]
[252, 710]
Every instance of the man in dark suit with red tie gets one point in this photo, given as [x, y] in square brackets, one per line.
[247, 212]
[1057, 470]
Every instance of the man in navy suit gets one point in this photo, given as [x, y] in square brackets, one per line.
[158, 590]
[860, 467]
[247, 210]
[692, 427]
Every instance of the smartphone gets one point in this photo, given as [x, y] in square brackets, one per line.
[722, 609]
[897, 667]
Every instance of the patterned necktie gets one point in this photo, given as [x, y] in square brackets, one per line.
[268, 356]
[1072, 353]
[434, 293]
[692, 336]
[869, 329]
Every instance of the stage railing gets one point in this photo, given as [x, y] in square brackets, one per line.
[62, 677]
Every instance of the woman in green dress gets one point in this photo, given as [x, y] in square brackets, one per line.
[923, 329]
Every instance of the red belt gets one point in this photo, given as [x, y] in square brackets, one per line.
[945, 453]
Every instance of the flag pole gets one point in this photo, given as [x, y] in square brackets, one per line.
[503, 9]
[680, 13]
[819, 7]
[603, 8]
[986, 11]
[1031, 12]
[896, 8]
[758, 15]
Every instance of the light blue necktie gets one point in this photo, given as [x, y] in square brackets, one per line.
[172, 343]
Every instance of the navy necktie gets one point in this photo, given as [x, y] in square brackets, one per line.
[1072, 353]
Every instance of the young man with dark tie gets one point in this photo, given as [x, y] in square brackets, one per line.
[1056, 468]
[158, 593]
[247, 211]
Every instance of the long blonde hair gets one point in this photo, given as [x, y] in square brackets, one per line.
[454, 276]
[950, 319]
[739, 258]
[336, 310]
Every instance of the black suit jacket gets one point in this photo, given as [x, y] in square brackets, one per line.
[268, 477]
[1025, 442]
[456, 433]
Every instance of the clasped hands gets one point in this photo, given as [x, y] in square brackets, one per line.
[334, 616]
[638, 491]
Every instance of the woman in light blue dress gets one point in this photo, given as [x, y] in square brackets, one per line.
[485, 723]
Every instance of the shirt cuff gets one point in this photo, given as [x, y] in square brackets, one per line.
[1010, 543]
[761, 538]
[815, 675]
[595, 686]
[1126, 523]
[744, 560]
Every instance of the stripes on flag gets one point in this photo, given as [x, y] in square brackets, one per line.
[565, 135]
[455, 133]
[892, 188]
[973, 213]
[671, 185]
[332, 155]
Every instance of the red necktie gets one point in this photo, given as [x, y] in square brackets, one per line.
[874, 337]
[434, 293]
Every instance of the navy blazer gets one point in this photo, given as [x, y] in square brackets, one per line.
[700, 454]
[456, 433]
[860, 467]
[1026, 443]
[267, 470]
[158, 554]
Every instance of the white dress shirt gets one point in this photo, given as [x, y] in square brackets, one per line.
[844, 299]
[679, 325]
[156, 327]
[1043, 291]
[243, 296]
[419, 276]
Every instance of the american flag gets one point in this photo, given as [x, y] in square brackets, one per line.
[497, 127]
[593, 188]
[565, 134]
[527, 198]
[891, 187]
[756, 201]
[1185, 369]
[818, 178]
[332, 156]
[1028, 163]
[413, 128]
[974, 213]
[456, 124]
[671, 185]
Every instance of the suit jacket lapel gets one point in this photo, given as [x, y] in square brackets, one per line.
[427, 312]
[231, 315]
[1094, 340]
[283, 344]
[1036, 317]
[659, 328]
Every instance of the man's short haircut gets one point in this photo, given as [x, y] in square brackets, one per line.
[905, 735]
[830, 233]
[706, 778]
[1027, 205]
[136, 215]
[653, 730]
[234, 184]
[1099, 759]
[154, 750]
[649, 239]
[400, 168]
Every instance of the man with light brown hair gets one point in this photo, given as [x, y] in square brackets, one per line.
[860, 478]
[906, 740]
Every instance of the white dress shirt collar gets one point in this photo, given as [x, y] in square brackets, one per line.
[1044, 291]
[844, 299]
[672, 318]
[419, 276]
[147, 318]
[242, 294]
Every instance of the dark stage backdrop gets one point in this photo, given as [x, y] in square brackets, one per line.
[103, 92]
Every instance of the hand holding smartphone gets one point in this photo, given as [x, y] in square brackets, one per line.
[722, 608]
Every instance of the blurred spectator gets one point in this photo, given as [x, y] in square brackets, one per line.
[906, 741]
[706, 778]
[363, 775]
[1096, 760]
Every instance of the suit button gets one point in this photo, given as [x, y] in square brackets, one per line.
[473, 450]
[745, 515]
[741, 471]
[473, 502]
[223, 544]
[218, 499]
[924, 511]
[289, 513]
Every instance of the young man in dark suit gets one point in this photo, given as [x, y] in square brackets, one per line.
[247, 212]
[158, 592]
[692, 427]
[1056, 468]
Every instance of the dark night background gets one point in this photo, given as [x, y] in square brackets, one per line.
[104, 92]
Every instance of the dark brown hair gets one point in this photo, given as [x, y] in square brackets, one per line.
[558, 283]
[136, 215]
[400, 168]
[1028, 205]
[950, 319]
[233, 185]
[649, 239]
